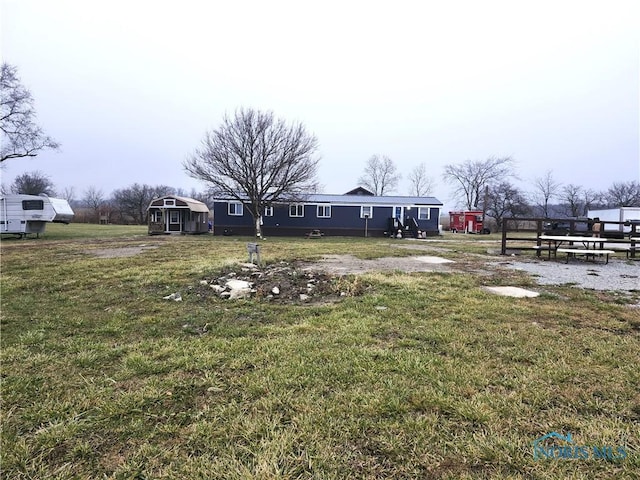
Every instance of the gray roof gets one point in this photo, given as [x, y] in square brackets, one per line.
[397, 201]
[371, 200]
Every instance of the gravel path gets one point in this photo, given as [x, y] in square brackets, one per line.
[616, 275]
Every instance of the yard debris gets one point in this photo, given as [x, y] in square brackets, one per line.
[281, 282]
[174, 296]
[516, 292]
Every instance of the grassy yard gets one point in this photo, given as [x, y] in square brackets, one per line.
[422, 375]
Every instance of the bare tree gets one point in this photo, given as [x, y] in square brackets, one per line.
[421, 184]
[22, 137]
[33, 183]
[591, 199]
[68, 193]
[134, 200]
[624, 194]
[256, 159]
[545, 189]
[93, 199]
[471, 177]
[380, 175]
[571, 200]
[504, 199]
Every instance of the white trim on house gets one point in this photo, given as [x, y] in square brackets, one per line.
[238, 210]
[428, 213]
[366, 211]
[299, 210]
[325, 209]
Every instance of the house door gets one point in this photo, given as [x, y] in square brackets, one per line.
[398, 212]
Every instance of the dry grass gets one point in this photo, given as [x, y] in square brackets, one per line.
[421, 375]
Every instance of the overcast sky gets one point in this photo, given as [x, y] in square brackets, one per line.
[130, 87]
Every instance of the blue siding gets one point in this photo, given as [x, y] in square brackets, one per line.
[345, 219]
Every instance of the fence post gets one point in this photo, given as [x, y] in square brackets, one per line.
[503, 250]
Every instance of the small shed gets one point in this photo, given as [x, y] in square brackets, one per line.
[467, 221]
[174, 214]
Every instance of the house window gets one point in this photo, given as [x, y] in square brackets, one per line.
[33, 204]
[324, 211]
[268, 211]
[174, 216]
[296, 210]
[236, 209]
[366, 212]
[423, 213]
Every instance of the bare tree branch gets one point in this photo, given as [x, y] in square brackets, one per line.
[256, 159]
[380, 175]
[624, 194]
[33, 183]
[545, 189]
[21, 136]
[471, 177]
[421, 184]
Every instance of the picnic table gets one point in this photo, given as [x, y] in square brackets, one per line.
[590, 246]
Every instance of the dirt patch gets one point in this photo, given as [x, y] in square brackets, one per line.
[350, 265]
[120, 251]
[282, 282]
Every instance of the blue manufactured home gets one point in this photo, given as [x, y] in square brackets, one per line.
[355, 213]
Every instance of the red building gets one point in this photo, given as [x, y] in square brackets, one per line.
[467, 221]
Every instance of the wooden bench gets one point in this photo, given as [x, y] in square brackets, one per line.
[587, 253]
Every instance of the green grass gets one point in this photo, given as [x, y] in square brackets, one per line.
[101, 378]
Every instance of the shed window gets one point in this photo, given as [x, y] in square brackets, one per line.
[324, 211]
[33, 205]
[423, 213]
[366, 212]
[169, 203]
[296, 210]
[236, 209]
[174, 216]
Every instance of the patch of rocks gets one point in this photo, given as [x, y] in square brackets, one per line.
[281, 282]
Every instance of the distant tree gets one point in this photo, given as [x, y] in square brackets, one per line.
[472, 177]
[421, 184]
[506, 200]
[571, 200]
[68, 193]
[21, 136]
[93, 199]
[33, 183]
[546, 188]
[623, 194]
[380, 175]
[134, 200]
[591, 199]
[256, 159]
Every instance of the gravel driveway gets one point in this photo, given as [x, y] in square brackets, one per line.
[616, 275]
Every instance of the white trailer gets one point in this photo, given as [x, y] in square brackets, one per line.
[622, 214]
[23, 214]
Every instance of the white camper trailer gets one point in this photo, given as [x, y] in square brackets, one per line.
[23, 214]
[627, 217]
